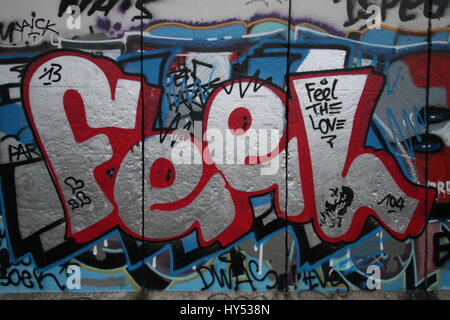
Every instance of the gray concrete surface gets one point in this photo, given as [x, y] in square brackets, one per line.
[191, 295]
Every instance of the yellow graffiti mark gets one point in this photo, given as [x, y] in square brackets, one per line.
[113, 271]
[400, 31]
[219, 25]
[192, 276]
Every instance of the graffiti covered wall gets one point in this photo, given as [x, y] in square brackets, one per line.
[240, 145]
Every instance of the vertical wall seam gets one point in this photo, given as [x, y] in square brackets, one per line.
[142, 148]
[286, 244]
[427, 129]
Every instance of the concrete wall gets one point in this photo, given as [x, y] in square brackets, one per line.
[249, 145]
